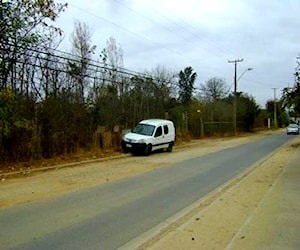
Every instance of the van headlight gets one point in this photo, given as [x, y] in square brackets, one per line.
[141, 141]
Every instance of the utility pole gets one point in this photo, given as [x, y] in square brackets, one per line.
[235, 93]
[275, 109]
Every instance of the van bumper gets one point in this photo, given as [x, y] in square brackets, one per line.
[133, 147]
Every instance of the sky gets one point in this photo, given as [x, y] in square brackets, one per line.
[203, 34]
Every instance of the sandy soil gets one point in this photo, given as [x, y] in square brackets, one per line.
[210, 226]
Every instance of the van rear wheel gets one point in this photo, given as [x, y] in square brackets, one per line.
[148, 150]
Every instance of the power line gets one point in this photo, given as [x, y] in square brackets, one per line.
[140, 36]
[183, 24]
[75, 59]
[179, 34]
[129, 31]
[51, 57]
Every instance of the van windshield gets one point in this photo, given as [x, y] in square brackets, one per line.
[143, 129]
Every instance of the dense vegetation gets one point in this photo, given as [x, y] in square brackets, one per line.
[53, 103]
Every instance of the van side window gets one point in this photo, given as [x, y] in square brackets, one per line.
[158, 131]
[166, 129]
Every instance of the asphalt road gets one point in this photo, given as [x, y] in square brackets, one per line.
[109, 215]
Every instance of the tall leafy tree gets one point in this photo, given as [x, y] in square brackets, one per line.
[247, 111]
[24, 25]
[25, 28]
[291, 100]
[282, 117]
[186, 85]
[291, 96]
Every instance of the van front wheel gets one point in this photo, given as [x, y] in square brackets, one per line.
[170, 147]
[148, 150]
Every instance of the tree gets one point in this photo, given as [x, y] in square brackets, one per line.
[83, 49]
[186, 85]
[16, 126]
[282, 117]
[26, 29]
[161, 89]
[114, 53]
[218, 112]
[291, 96]
[113, 85]
[24, 25]
[214, 89]
[248, 111]
[291, 100]
[112, 57]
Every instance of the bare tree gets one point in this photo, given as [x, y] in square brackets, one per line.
[161, 89]
[115, 53]
[112, 56]
[214, 90]
[83, 50]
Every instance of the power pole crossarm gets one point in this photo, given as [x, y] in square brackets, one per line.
[235, 72]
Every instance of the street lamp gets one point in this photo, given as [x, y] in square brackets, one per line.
[244, 73]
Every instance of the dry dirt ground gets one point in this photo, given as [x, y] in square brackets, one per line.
[211, 225]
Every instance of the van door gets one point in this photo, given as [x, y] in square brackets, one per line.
[167, 134]
[158, 140]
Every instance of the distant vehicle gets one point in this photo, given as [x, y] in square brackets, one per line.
[150, 135]
[292, 129]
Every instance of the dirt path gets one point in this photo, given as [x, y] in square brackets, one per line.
[209, 226]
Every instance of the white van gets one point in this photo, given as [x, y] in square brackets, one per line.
[150, 135]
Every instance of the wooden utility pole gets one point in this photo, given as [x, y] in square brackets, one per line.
[235, 93]
[275, 109]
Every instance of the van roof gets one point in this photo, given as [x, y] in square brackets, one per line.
[156, 121]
